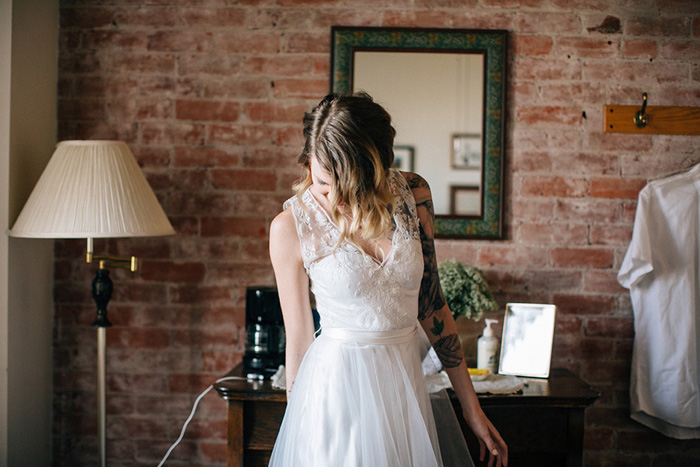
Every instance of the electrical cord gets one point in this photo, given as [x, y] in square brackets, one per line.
[194, 409]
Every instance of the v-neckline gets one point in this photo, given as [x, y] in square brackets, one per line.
[373, 258]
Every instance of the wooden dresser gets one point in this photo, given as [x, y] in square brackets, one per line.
[542, 425]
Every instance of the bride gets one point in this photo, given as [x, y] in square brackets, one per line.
[359, 235]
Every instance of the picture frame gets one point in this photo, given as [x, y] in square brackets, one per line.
[528, 336]
[403, 158]
[465, 200]
[466, 152]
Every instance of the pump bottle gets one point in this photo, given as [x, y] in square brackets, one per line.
[487, 348]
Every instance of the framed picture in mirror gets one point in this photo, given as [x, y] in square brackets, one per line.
[465, 200]
[466, 152]
[403, 158]
[528, 335]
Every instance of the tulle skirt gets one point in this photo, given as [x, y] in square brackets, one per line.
[360, 399]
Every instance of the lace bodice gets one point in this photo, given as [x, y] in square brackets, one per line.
[353, 289]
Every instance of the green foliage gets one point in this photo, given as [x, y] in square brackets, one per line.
[466, 290]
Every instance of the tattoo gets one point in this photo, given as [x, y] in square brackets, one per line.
[430, 296]
[449, 351]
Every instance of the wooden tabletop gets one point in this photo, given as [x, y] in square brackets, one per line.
[561, 389]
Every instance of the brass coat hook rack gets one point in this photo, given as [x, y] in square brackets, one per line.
[667, 120]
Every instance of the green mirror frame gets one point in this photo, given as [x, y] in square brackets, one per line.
[493, 44]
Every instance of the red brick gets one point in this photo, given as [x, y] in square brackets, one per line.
[172, 272]
[152, 450]
[176, 41]
[554, 187]
[128, 108]
[244, 179]
[190, 383]
[80, 62]
[214, 17]
[552, 234]
[550, 23]
[597, 348]
[635, 72]
[148, 16]
[290, 135]
[548, 115]
[489, 256]
[172, 133]
[616, 188]
[300, 88]
[618, 141]
[150, 156]
[586, 211]
[532, 45]
[239, 226]
[604, 371]
[214, 452]
[186, 156]
[284, 65]
[81, 109]
[582, 163]
[141, 63]
[305, 42]
[214, 361]
[595, 258]
[247, 42]
[567, 325]
[85, 18]
[602, 282]
[533, 210]
[209, 64]
[582, 305]
[206, 110]
[675, 50]
[199, 294]
[644, 49]
[531, 161]
[203, 203]
[269, 112]
[129, 383]
[658, 26]
[547, 281]
[241, 134]
[203, 339]
[581, 93]
[587, 47]
[610, 327]
[178, 180]
[546, 69]
[614, 235]
[104, 40]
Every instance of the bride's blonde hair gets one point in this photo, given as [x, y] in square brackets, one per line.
[351, 137]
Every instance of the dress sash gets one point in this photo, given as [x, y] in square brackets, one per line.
[393, 336]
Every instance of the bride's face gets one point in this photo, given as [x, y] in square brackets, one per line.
[321, 179]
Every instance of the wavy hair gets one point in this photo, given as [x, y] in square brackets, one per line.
[351, 137]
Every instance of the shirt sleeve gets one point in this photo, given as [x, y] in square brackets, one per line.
[638, 261]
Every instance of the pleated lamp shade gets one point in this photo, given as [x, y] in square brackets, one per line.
[92, 189]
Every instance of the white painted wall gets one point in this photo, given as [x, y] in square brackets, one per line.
[28, 126]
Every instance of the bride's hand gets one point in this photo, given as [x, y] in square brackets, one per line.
[488, 438]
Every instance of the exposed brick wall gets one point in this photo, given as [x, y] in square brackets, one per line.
[209, 95]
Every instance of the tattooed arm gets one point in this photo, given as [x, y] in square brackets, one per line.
[436, 318]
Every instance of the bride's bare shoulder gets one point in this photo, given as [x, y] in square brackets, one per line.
[283, 224]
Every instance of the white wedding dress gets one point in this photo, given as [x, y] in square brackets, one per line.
[360, 398]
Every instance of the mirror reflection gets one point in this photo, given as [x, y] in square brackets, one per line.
[436, 102]
[528, 334]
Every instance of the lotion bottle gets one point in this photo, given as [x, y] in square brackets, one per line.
[487, 349]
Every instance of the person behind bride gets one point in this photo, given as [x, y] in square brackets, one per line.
[359, 235]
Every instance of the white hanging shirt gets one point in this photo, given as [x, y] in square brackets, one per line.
[661, 271]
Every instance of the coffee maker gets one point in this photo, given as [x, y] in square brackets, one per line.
[265, 339]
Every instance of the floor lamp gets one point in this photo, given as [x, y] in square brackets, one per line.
[94, 189]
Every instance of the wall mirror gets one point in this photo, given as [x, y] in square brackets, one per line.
[445, 90]
[528, 335]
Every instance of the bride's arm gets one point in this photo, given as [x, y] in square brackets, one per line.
[436, 318]
[293, 289]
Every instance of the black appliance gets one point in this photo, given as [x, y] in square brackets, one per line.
[265, 339]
